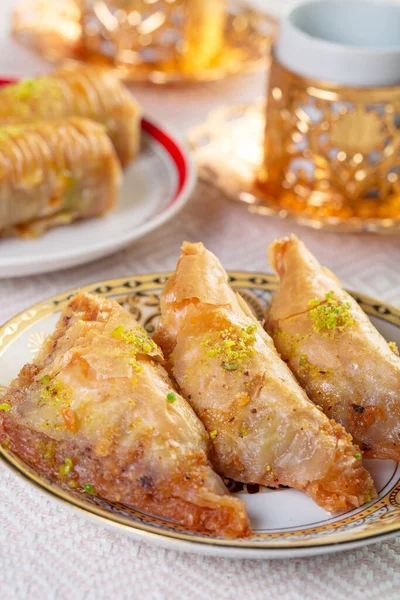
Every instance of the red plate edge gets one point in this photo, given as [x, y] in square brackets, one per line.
[162, 138]
[173, 150]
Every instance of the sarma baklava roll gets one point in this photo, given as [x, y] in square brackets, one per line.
[90, 92]
[55, 172]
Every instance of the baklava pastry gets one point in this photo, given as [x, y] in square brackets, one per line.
[89, 92]
[263, 427]
[53, 173]
[346, 367]
[96, 411]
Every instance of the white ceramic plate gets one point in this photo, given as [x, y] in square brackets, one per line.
[155, 187]
[285, 522]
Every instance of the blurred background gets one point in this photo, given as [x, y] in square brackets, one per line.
[17, 61]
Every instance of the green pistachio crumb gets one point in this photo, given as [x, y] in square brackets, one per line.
[66, 467]
[137, 339]
[358, 455]
[303, 361]
[24, 89]
[5, 406]
[232, 345]
[213, 434]
[230, 366]
[314, 302]
[171, 397]
[89, 489]
[251, 328]
[118, 332]
[330, 315]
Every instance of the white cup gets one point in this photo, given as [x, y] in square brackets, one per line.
[349, 42]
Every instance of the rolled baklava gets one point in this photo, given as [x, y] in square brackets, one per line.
[53, 173]
[90, 92]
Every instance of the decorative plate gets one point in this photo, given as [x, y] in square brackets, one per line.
[228, 147]
[155, 187]
[285, 522]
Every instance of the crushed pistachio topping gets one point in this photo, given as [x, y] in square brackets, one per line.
[54, 391]
[358, 455]
[25, 89]
[243, 432]
[306, 367]
[6, 442]
[213, 434]
[303, 361]
[72, 483]
[5, 406]
[394, 348]
[330, 315]
[138, 342]
[289, 341]
[171, 397]
[89, 489]
[43, 88]
[268, 469]
[66, 468]
[232, 346]
[47, 450]
[230, 366]
[137, 338]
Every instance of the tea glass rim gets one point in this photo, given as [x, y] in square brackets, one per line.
[288, 18]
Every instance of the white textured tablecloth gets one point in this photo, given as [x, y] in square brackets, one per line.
[46, 552]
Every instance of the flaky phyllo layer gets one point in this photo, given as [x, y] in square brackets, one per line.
[94, 93]
[263, 427]
[96, 411]
[336, 353]
[54, 172]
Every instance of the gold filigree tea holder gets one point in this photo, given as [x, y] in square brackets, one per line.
[158, 41]
[331, 150]
[329, 158]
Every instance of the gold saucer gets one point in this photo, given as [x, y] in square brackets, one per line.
[228, 149]
[53, 30]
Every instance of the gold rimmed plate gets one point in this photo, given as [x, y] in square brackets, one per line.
[285, 522]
